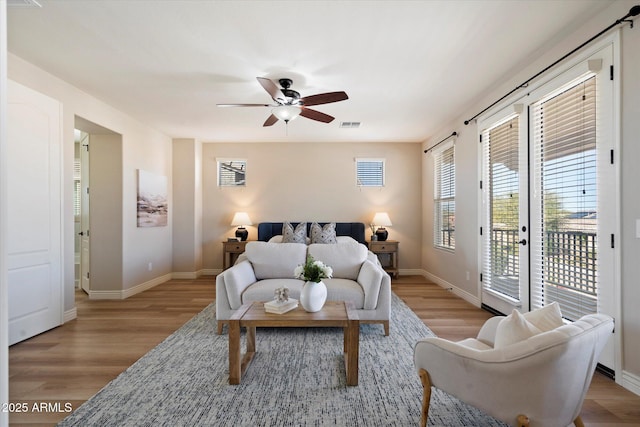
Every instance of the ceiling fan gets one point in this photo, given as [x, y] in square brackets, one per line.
[290, 105]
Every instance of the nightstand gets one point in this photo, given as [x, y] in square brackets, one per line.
[230, 252]
[387, 253]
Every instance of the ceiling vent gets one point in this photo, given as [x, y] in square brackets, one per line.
[350, 125]
[23, 3]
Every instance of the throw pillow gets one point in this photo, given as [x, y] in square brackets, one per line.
[512, 329]
[546, 318]
[326, 234]
[297, 235]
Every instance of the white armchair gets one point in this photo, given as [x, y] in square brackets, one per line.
[538, 375]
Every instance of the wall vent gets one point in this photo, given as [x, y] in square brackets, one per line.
[23, 3]
[350, 125]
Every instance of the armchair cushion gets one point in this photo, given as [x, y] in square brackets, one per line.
[514, 328]
[546, 318]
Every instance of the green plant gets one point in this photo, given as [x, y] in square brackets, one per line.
[313, 271]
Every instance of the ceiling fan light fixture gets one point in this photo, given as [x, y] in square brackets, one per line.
[286, 112]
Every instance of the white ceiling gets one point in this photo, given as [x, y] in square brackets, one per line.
[408, 66]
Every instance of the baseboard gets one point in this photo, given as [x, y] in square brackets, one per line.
[70, 315]
[456, 290]
[126, 293]
[631, 382]
[187, 275]
[211, 271]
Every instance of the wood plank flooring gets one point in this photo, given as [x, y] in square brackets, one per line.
[69, 364]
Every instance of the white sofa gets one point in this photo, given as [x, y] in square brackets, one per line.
[265, 266]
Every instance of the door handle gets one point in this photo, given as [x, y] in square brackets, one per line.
[523, 242]
[81, 233]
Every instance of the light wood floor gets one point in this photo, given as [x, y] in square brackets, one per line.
[71, 363]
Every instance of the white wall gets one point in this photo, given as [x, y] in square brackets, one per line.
[452, 268]
[313, 182]
[142, 148]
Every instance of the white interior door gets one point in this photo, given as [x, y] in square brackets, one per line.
[84, 214]
[34, 217]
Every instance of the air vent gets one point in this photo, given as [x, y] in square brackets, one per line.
[350, 125]
[23, 3]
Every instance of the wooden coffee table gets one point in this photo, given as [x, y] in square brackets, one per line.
[333, 314]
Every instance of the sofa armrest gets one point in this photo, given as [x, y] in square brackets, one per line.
[370, 278]
[236, 280]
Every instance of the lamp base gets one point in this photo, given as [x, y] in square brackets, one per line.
[382, 234]
[242, 233]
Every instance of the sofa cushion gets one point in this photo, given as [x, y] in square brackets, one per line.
[297, 235]
[326, 234]
[275, 260]
[514, 328]
[264, 289]
[370, 279]
[546, 318]
[344, 258]
[236, 280]
[344, 290]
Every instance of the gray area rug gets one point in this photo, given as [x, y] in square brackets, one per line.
[297, 378]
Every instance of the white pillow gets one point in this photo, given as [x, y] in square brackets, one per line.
[344, 258]
[276, 239]
[346, 239]
[546, 318]
[275, 260]
[514, 328]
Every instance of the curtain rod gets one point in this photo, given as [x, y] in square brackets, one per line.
[438, 143]
[634, 11]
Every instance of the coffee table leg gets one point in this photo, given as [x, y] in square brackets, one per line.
[235, 371]
[352, 344]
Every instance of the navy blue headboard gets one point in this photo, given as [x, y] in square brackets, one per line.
[267, 230]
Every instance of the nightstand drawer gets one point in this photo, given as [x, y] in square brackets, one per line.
[237, 248]
[383, 247]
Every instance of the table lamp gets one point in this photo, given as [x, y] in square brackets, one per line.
[241, 219]
[381, 220]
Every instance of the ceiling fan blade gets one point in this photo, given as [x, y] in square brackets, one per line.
[324, 98]
[270, 121]
[244, 105]
[272, 89]
[316, 115]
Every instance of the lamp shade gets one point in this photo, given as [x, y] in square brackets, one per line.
[241, 219]
[286, 112]
[382, 219]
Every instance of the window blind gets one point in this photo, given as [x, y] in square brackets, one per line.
[564, 134]
[501, 263]
[444, 197]
[370, 172]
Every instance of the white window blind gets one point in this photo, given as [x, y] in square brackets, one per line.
[564, 133]
[232, 173]
[76, 187]
[444, 204]
[370, 172]
[502, 252]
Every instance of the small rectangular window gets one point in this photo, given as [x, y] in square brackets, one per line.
[444, 203]
[232, 173]
[370, 172]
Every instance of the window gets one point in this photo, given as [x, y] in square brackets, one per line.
[76, 187]
[232, 173]
[370, 172]
[444, 203]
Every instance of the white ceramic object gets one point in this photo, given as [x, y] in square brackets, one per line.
[313, 296]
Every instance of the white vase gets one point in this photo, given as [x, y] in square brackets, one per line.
[313, 296]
